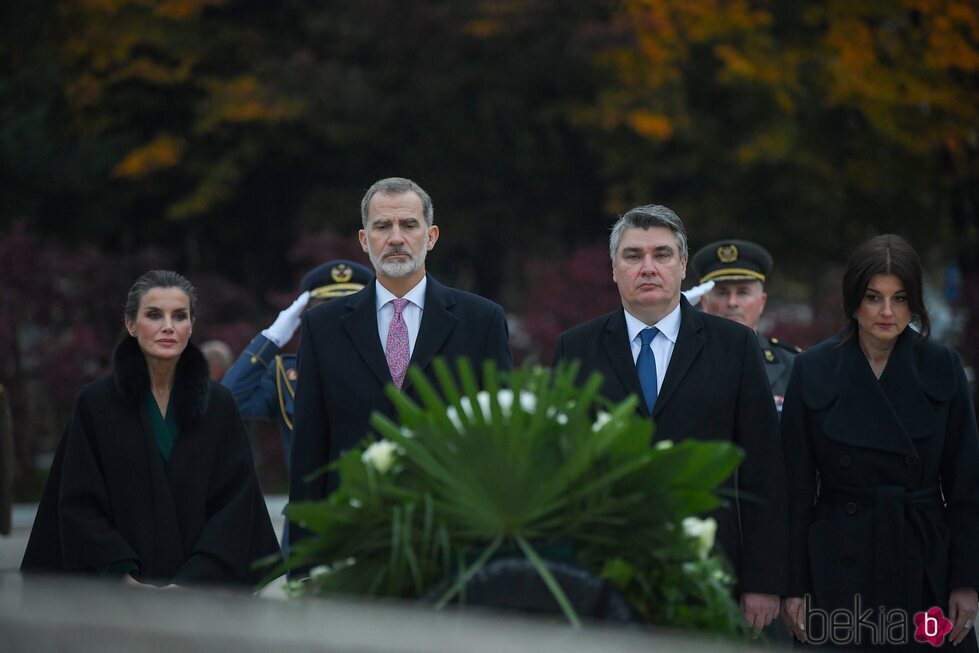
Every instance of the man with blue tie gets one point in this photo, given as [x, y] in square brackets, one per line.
[353, 347]
[698, 376]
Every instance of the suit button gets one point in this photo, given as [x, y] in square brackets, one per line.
[911, 461]
[847, 561]
[851, 508]
[844, 461]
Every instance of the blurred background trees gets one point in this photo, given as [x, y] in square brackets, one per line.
[233, 139]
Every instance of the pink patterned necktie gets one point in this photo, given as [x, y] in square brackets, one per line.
[397, 351]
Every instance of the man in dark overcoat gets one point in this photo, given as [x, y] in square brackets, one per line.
[699, 376]
[353, 347]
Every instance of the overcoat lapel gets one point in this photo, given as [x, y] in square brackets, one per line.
[615, 341]
[437, 323]
[360, 323]
[689, 342]
[862, 414]
[904, 384]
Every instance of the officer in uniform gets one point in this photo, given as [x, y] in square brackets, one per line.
[739, 270]
[262, 380]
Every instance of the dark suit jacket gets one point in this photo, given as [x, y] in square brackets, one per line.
[715, 389]
[343, 371]
[896, 463]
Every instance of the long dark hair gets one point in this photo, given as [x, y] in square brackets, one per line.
[885, 254]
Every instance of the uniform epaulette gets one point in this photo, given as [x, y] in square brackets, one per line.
[784, 345]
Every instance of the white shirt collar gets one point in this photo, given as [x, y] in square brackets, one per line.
[416, 295]
[669, 326]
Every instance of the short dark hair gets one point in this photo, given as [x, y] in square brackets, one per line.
[647, 217]
[158, 279]
[885, 254]
[397, 186]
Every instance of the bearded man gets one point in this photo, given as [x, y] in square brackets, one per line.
[354, 346]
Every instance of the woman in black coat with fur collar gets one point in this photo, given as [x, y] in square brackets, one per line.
[883, 465]
[154, 481]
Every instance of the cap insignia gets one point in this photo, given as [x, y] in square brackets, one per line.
[727, 253]
[341, 273]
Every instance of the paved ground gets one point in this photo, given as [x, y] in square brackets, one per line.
[12, 546]
[12, 550]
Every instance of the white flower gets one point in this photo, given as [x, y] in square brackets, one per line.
[319, 571]
[407, 432]
[294, 588]
[528, 403]
[380, 455]
[601, 420]
[703, 530]
[505, 397]
[356, 503]
[663, 444]
[453, 416]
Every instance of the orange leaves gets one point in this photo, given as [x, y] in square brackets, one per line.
[183, 9]
[653, 67]
[241, 100]
[909, 68]
[164, 151]
[651, 125]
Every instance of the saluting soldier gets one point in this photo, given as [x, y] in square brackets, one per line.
[740, 270]
[263, 380]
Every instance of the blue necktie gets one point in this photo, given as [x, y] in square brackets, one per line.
[646, 366]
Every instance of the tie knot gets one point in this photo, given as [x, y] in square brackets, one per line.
[399, 305]
[647, 335]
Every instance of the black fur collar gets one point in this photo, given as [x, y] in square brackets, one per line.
[190, 390]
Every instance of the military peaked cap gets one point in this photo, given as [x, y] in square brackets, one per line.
[336, 279]
[732, 260]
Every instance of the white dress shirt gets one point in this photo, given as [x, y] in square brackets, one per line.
[412, 312]
[662, 345]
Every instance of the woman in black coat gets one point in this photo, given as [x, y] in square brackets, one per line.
[883, 465]
[154, 481]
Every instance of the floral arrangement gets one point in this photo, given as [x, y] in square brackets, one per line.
[470, 472]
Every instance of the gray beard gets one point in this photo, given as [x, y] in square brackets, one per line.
[397, 269]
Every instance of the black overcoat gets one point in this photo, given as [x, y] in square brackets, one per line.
[883, 476]
[198, 518]
[343, 372]
[715, 389]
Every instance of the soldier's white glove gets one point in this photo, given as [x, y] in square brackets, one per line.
[286, 324]
[694, 294]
